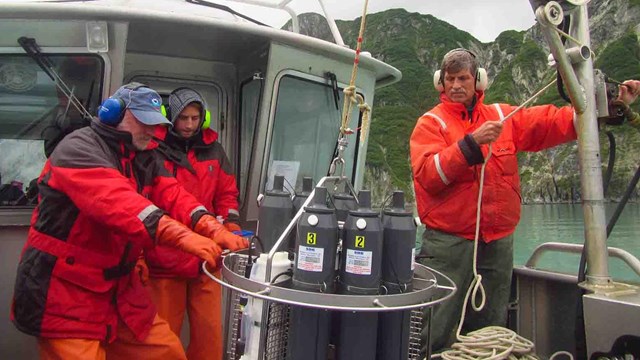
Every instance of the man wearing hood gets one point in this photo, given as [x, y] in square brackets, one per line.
[448, 146]
[200, 164]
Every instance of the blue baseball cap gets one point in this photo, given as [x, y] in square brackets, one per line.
[144, 103]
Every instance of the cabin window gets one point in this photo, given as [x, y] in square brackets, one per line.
[249, 106]
[305, 131]
[30, 105]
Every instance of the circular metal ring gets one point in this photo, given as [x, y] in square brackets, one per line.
[429, 288]
[553, 13]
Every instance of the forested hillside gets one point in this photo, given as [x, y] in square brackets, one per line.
[517, 67]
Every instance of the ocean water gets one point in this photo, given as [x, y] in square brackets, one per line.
[564, 223]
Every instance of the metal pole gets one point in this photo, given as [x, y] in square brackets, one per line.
[332, 24]
[549, 16]
[590, 163]
[578, 76]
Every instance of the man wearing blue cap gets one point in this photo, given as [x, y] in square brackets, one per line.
[102, 200]
[134, 108]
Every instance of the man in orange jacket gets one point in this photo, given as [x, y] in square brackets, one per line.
[102, 200]
[448, 146]
[201, 166]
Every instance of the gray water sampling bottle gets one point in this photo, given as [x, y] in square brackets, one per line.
[344, 202]
[274, 214]
[314, 271]
[307, 186]
[360, 274]
[397, 274]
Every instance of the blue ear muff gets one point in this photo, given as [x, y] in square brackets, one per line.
[111, 111]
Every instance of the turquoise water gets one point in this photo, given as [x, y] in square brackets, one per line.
[564, 223]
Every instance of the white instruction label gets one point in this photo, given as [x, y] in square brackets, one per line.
[413, 259]
[310, 258]
[359, 262]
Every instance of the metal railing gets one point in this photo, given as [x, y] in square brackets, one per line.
[623, 255]
[284, 5]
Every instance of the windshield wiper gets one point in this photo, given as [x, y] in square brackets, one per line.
[33, 50]
[225, 8]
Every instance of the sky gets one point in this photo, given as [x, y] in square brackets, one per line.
[484, 19]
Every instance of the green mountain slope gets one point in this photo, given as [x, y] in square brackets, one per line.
[517, 67]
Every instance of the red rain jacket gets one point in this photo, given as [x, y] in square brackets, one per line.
[201, 166]
[99, 206]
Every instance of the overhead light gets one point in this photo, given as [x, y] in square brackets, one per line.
[97, 36]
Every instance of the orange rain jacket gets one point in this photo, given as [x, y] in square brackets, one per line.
[446, 163]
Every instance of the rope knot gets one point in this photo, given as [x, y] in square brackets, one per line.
[349, 91]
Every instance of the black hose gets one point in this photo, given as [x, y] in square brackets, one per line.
[564, 26]
[247, 270]
[560, 84]
[287, 272]
[611, 163]
[623, 202]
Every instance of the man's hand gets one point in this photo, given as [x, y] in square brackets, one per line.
[209, 226]
[487, 132]
[173, 233]
[629, 91]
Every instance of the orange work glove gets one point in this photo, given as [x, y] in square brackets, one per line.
[142, 270]
[209, 226]
[231, 226]
[173, 233]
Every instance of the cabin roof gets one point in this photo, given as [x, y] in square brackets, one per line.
[218, 26]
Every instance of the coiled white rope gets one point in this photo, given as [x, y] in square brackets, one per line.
[491, 343]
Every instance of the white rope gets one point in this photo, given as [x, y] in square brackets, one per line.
[490, 343]
[559, 353]
[351, 96]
